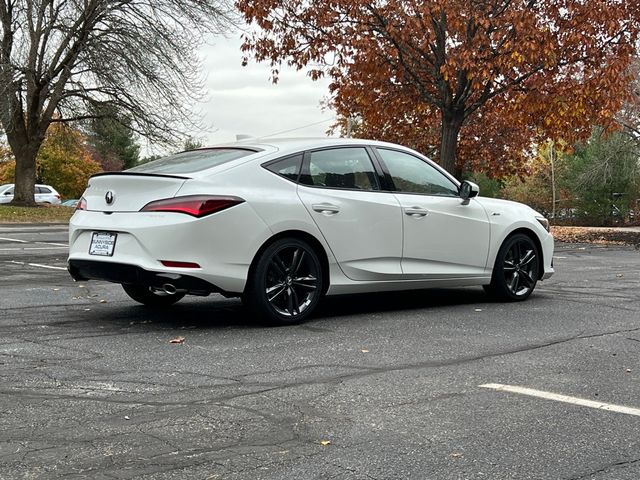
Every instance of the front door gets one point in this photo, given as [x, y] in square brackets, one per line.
[444, 236]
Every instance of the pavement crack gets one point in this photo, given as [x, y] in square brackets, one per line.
[606, 468]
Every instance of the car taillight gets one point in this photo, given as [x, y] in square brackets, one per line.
[194, 205]
[82, 204]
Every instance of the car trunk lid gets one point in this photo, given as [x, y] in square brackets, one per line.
[129, 192]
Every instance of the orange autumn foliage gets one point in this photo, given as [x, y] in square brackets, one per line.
[62, 162]
[476, 81]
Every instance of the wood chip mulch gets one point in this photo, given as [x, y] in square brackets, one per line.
[605, 236]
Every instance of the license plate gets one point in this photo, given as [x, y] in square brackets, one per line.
[102, 243]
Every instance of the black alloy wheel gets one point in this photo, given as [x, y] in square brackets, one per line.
[516, 270]
[286, 284]
[152, 297]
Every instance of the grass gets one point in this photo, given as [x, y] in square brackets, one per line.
[39, 214]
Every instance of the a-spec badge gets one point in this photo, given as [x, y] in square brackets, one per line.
[109, 197]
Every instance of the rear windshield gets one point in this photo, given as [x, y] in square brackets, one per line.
[193, 161]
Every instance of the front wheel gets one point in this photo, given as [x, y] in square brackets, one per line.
[151, 297]
[516, 270]
[286, 284]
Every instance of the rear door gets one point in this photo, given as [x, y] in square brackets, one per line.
[361, 224]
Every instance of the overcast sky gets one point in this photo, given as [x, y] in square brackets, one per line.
[243, 100]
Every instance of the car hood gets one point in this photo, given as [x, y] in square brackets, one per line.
[496, 205]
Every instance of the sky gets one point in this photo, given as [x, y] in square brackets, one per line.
[243, 100]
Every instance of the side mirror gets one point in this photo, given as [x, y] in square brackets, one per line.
[469, 190]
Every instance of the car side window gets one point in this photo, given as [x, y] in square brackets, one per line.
[349, 168]
[287, 167]
[42, 190]
[9, 191]
[413, 175]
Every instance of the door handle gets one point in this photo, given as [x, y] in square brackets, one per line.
[325, 208]
[416, 212]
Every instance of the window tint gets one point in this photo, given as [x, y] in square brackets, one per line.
[287, 167]
[340, 168]
[8, 191]
[413, 175]
[194, 161]
[43, 190]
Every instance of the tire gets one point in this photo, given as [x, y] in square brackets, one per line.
[516, 271]
[286, 284]
[150, 297]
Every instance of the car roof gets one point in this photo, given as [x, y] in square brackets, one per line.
[296, 144]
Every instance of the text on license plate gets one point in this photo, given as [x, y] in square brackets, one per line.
[102, 243]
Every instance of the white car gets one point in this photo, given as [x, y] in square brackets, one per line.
[43, 194]
[283, 222]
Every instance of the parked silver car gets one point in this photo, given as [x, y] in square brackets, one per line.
[43, 194]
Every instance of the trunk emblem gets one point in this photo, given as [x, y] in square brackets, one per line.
[109, 197]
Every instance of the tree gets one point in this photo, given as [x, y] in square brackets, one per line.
[58, 58]
[191, 143]
[546, 170]
[111, 138]
[604, 175]
[63, 161]
[507, 72]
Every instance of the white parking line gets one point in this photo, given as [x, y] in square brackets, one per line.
[13, 240]
[37, 265]
[610, 407]
[23, 249]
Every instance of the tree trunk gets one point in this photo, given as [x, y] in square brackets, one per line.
[25, 178]
[451, 124]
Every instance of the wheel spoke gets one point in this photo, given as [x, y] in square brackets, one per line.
[516, 251]
[279, 266]
[296, 303]
[298, 255]
[290, 301]
[509, 266]
[528, 257]
[281, 288]
[527, 278]
[513, 286]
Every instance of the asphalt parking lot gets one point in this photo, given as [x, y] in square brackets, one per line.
[420, 385]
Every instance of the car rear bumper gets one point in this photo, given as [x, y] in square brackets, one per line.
[135, 275]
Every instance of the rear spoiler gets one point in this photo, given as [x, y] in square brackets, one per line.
[139, 174]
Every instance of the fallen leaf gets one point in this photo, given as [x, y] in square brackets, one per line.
[364, 350]
[456, 455]
[177, 340]
[325, 442]
[628, 370]
[619, 275]
[126, 417]
[103, 301]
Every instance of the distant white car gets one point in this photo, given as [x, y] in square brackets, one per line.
[43, 194]
[283, 222]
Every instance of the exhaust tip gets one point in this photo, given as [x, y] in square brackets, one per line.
[169, 289]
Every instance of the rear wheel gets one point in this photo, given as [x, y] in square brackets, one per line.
[286, 284]
[150, 296]
[516, 270]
